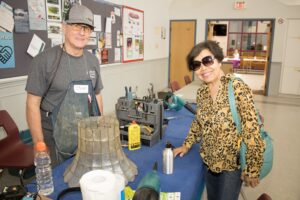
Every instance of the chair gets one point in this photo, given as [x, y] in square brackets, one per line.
[264, 196]
[13, 152]
[187, 79]
[236, 64]
[246, 63]
[174, 85]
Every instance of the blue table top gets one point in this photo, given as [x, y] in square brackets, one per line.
[187, 177]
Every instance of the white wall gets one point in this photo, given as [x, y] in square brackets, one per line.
[156, 15]
[223, 9]
[154, 69]
[13, 98]
[139, 74]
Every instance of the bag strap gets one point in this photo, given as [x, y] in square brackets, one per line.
[233, 109]
[54, 74]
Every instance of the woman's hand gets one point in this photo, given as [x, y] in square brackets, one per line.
[253, 182]
[180, 150]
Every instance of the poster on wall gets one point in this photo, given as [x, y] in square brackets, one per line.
[7, 55]
[133, 34]
[21, 20]
[66, 5]
[53, 9]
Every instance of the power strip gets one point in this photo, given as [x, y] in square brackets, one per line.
[14, 192]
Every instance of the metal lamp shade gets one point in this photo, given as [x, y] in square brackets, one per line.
[99, 147]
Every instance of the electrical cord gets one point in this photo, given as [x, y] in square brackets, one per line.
[14, 191]
[67, 191]
[34, 195]
[19, 191]
[21, 174]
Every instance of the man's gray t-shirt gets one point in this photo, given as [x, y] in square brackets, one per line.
[43, 66]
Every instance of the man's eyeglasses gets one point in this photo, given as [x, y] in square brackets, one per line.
[206, 61]
[79, 27]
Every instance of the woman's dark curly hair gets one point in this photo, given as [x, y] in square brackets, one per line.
[210, 45]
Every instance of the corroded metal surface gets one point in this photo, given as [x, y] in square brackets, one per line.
[99, 147]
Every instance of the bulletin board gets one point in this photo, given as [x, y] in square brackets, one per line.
[133, 34]
[110, 52]
[21, 42]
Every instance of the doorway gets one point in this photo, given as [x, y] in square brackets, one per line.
[251, 40]
[182, 40]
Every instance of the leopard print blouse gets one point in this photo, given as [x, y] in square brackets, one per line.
[215, 129]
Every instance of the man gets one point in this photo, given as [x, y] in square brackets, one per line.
[63, 86]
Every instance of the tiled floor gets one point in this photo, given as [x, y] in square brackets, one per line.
[255, 81]
[282, 121]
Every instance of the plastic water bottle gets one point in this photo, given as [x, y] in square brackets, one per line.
[168, 159]
[43, 170]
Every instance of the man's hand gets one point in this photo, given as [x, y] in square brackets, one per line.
[33, 116]
[253, 182]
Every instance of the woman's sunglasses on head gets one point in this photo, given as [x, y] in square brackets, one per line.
[206, 61]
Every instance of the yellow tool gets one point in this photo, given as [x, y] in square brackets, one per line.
[147, 129]
[134, 136]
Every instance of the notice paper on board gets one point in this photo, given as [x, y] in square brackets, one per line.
[36, 46]
[7, 19]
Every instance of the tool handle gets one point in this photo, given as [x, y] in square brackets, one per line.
[190, 108]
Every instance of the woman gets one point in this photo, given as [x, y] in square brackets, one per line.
[236, 55]
[215, 128]
[236, 59]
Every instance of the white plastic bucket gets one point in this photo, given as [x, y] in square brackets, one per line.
[120, 186]
[98, 185]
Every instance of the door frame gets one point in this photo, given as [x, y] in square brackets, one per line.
[284, 66]
[170, 45]
[272, 20]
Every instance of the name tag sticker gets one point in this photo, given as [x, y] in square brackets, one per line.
[81, 88]
[92, 74]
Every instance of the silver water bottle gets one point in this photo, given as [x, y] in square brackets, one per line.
[168, 159]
